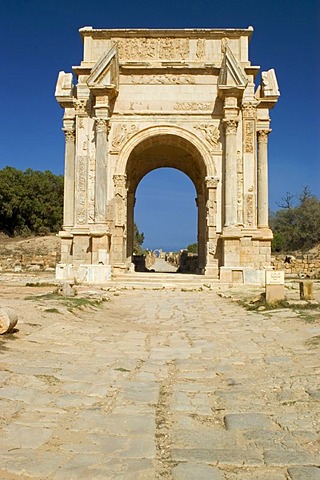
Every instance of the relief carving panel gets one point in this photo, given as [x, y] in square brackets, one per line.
[153, 48]
[193, 106]
[249, 136]
[81, 190]
[166, 79]
[122, 132]
[211, 133]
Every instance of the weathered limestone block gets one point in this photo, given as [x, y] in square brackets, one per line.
[8, 319]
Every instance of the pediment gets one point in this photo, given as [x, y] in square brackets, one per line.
[231, 73]
[105, 73]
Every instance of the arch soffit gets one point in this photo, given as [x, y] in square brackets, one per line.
[156, 131]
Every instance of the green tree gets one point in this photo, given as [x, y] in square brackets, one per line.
[192, 248]
[31, 202]
[138, 239]
[296, 227]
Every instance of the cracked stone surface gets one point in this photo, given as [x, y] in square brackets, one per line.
[158, 384]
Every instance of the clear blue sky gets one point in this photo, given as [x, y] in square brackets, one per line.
[40, 37]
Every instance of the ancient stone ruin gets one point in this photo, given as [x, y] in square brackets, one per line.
[185, 99]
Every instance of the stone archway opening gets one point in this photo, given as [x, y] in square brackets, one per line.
[167, 151]
[165, 211]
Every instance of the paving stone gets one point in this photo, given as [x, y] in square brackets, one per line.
[192, 471]
[232, 456]
[248, 421]
[290, 457]
[304, 473]
[26, 462]
[24, 436]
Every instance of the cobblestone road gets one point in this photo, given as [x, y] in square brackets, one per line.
[159, 385]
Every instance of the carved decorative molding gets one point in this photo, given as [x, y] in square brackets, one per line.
[212, 182]
[263, 136]
[81, 189]
[249, 136]
[70, 135]
[193, 106]
[249, 111]
[165, 79]
[231, 126]
[120, 196]
[211, 133]
[119, 182]
[122, 133]
[249, 207]
[200, 53]
[239, 189]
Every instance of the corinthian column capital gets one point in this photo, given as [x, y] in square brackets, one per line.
[263, 135]
[70, 135]
[231, 126]
[102, 125]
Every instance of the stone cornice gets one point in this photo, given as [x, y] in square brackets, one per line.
[190, 33]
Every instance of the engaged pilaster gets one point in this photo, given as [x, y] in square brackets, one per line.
[211, 206]
[68, 212]
[262, 178]
[230, 174]
[102, 126]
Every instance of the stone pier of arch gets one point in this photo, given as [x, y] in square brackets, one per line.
[146, 99]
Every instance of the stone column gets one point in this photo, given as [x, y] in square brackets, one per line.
[120, 219]
[262, 179]
[69, 193]
[130, 224]
[230, 187]
[101, 170]
[201, 204]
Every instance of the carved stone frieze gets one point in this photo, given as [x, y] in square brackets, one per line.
[239, 189]
[249, 207]
[81, 190]
[211, 133]
[193, 106]
[165, 79]
[119, 182]
[91, 188]
[153, 48]
[122, 133]
[249, 136]
[200, 53]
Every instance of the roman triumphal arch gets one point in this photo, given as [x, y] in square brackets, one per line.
[185, 99]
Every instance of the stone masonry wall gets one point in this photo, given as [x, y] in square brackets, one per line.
[302, 265]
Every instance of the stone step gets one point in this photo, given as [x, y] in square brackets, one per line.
[162, 280]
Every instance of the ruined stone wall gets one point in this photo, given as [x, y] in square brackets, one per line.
[303, 265]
